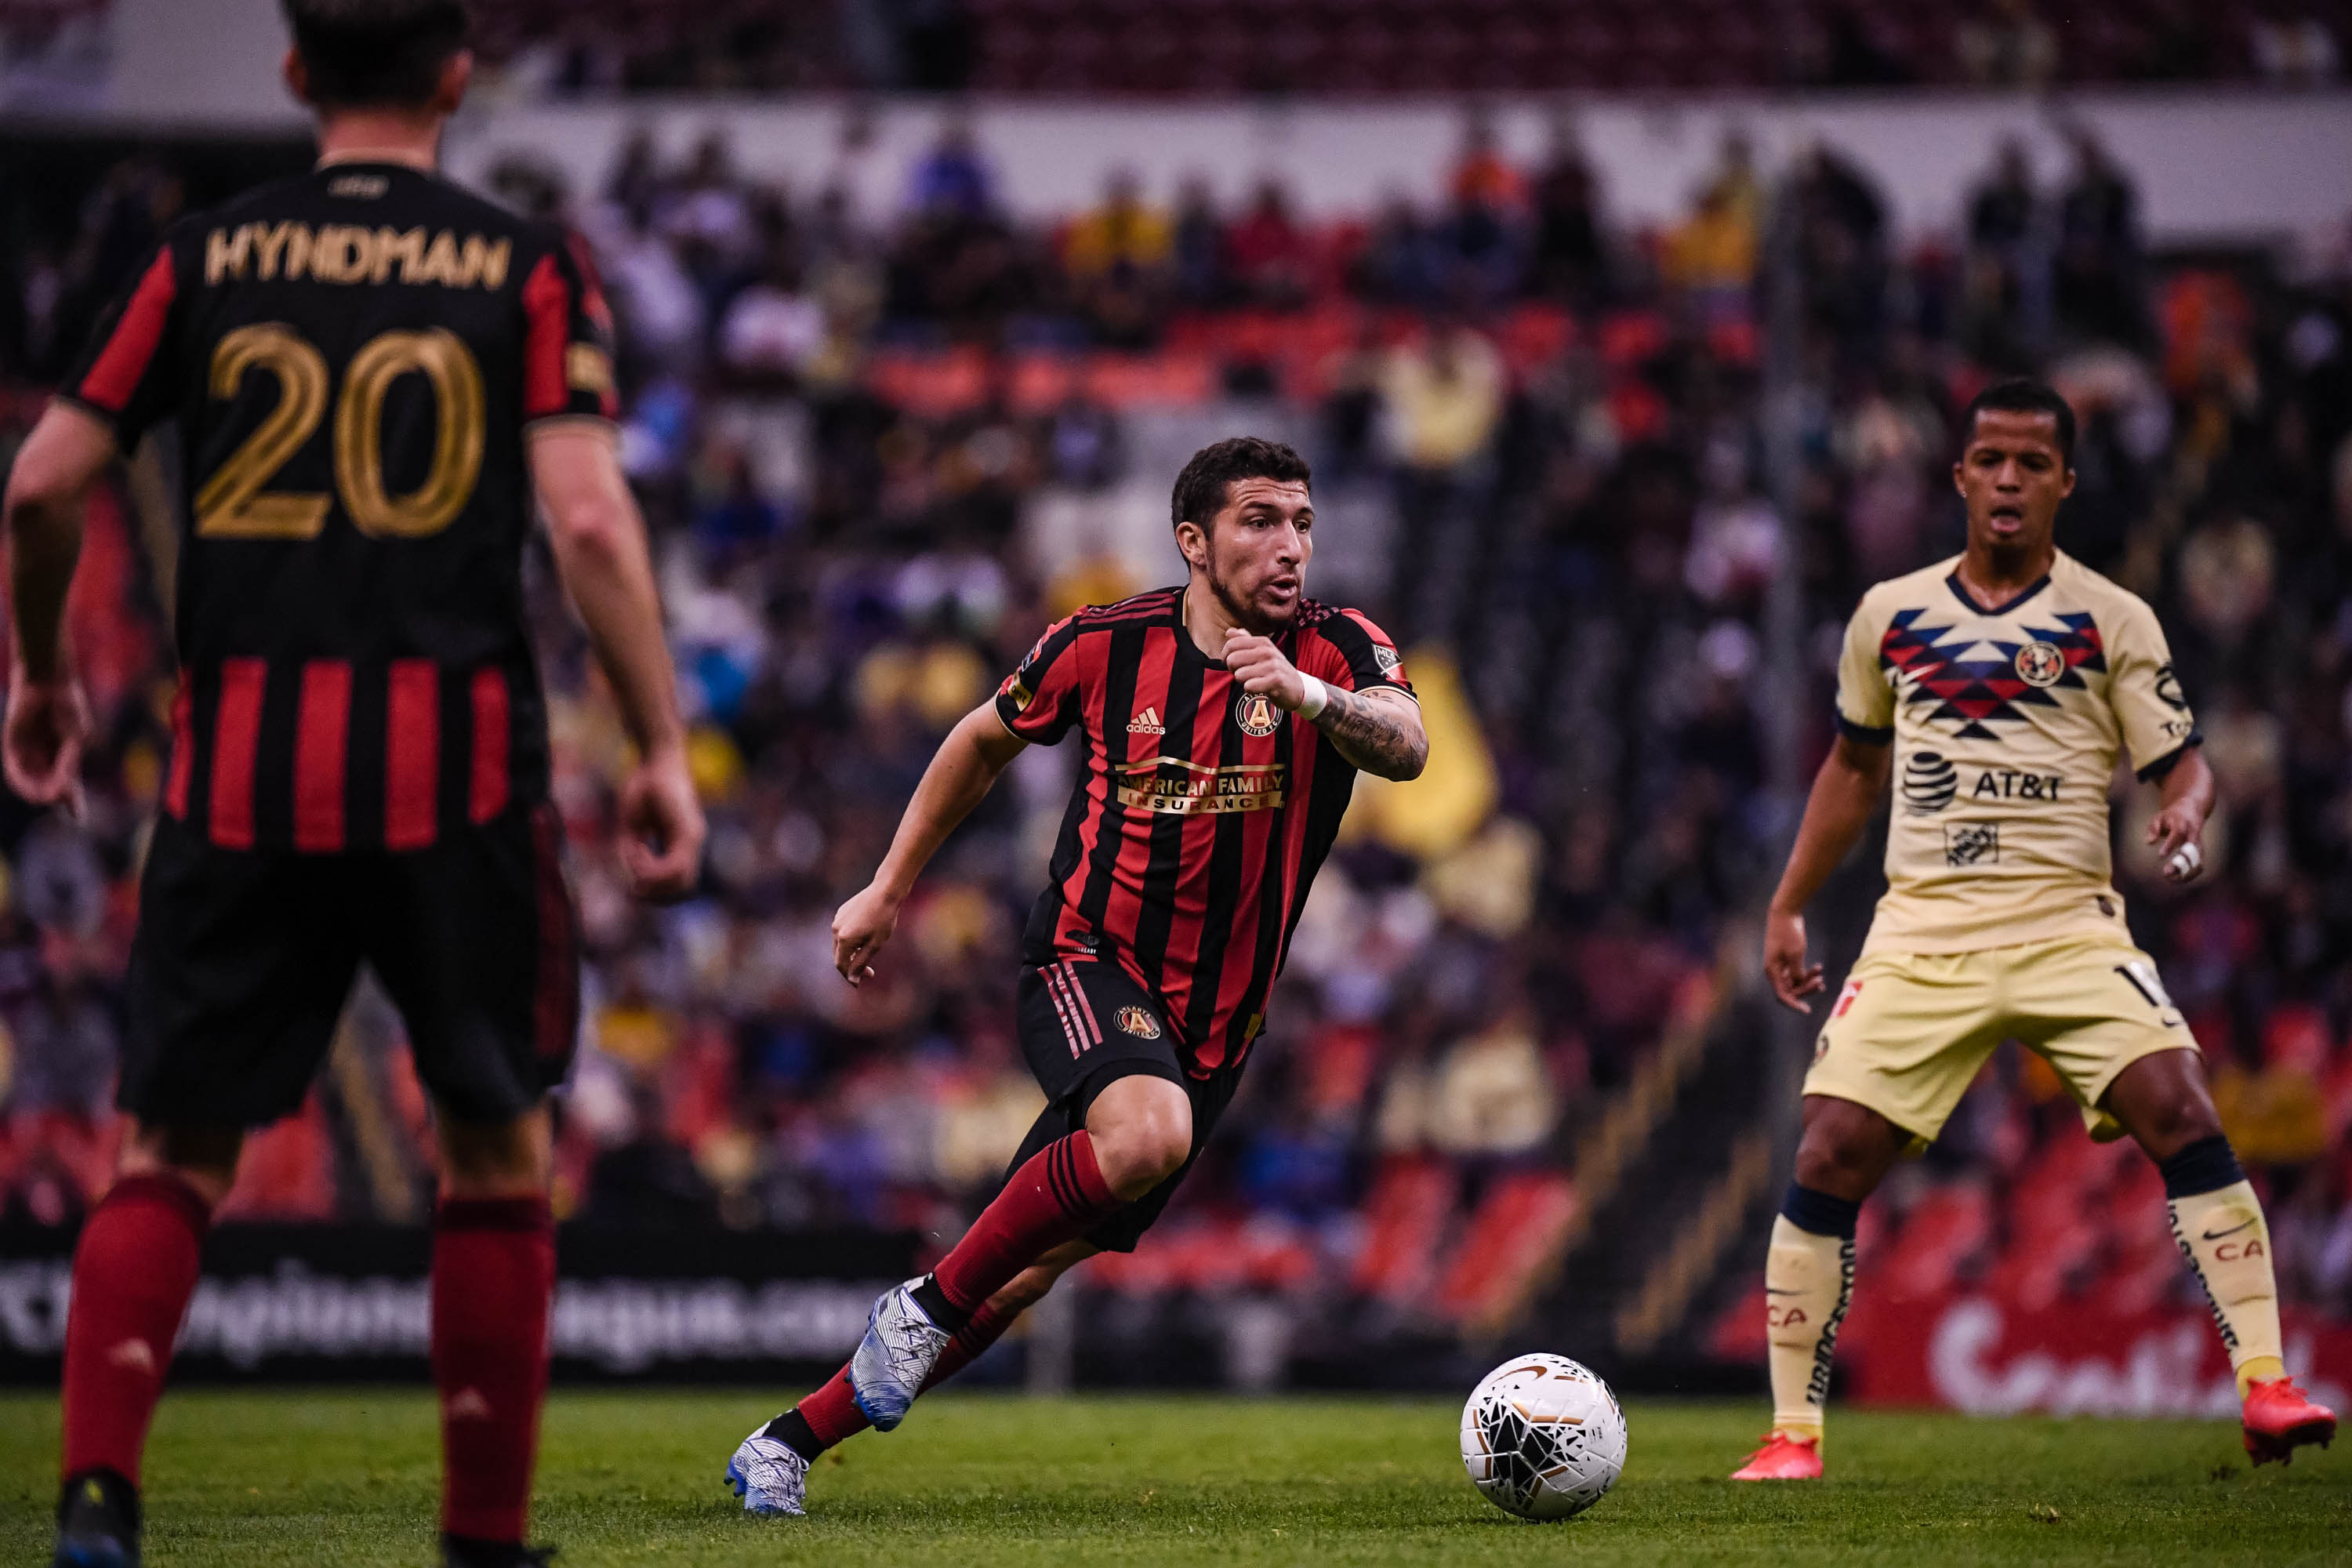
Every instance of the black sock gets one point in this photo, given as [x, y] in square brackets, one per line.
[935, 1304]
[793, 1430]
[473, 1552]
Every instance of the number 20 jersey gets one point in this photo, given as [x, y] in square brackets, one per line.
[351, 360]
[2007, 721]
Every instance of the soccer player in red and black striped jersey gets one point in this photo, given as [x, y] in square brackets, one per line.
[370, 372]
[1224, 723]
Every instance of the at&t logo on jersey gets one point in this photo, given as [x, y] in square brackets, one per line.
[1929, 782]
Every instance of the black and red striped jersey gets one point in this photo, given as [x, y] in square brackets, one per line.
[349, 360]
[1203, 812]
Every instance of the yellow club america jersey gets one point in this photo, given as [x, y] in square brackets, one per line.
[2006, 721]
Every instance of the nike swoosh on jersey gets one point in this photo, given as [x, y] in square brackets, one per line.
[2218, 1235]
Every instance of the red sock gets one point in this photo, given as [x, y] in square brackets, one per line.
[133, 1273]
[493, 1277]
[831, 1412]
[1057, 1196]
[987, 1326]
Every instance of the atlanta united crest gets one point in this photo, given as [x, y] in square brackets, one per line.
[1256, 714]
[2040, 663]
[1137, 1021]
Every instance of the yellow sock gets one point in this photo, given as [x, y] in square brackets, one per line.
[1808, 1280]
[2228, 1245]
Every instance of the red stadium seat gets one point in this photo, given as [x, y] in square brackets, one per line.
[1514, 1234]
[1405, 1218]
[1937, 1238]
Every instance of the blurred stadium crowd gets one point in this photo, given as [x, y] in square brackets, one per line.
[880, 450]
[1391, 45]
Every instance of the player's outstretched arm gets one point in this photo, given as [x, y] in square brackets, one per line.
[1845, 791]
[600, 552]
[962, 772]
[48, 491]
[1378, 731]
[2177, 829]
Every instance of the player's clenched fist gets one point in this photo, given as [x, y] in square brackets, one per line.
[859, 929]
[49, 724]
[1793, 978]
[1260, 666]
[662, 827]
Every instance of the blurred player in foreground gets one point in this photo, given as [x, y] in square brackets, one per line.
[370, 372]
[1224, 723]
[2006, 678]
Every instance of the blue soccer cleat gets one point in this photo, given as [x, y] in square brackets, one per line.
[768, 1475]
[900, 1347]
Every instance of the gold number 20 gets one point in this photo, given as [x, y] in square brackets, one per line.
[232, 503]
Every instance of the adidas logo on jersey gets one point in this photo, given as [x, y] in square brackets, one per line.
[1147, 724]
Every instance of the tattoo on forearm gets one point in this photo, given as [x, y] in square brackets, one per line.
[1376, 734]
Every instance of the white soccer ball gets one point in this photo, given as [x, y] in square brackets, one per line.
[1543, 1437]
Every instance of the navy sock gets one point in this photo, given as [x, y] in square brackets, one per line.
[2205, 1167]
[1820, 1212]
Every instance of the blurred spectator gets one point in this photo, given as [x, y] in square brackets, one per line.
[1117, 257]
[2097, 266]
[1197, 245]
[1567, 256]
[953, 180]
[2007, 305]
[1711, 255]
[1842, 252]
[2007, 45]
[2297, 49]
[1271, 255]
[1444, 395]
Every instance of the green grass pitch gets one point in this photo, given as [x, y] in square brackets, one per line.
[253, 1481]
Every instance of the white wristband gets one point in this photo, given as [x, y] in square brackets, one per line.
[1312, 697]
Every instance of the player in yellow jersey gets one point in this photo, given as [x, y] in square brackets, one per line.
[1997, 688]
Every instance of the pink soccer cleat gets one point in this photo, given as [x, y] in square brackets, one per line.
[1786, 1458]
[2280, 1419]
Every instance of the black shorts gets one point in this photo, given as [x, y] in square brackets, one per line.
[244, 960]
[1086, 1024]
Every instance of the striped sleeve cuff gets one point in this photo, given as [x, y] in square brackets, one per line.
[1864, 734]
[2171, 759]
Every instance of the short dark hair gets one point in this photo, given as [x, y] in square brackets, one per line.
[1207, 481]
[2022, 394]
[372, 54]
